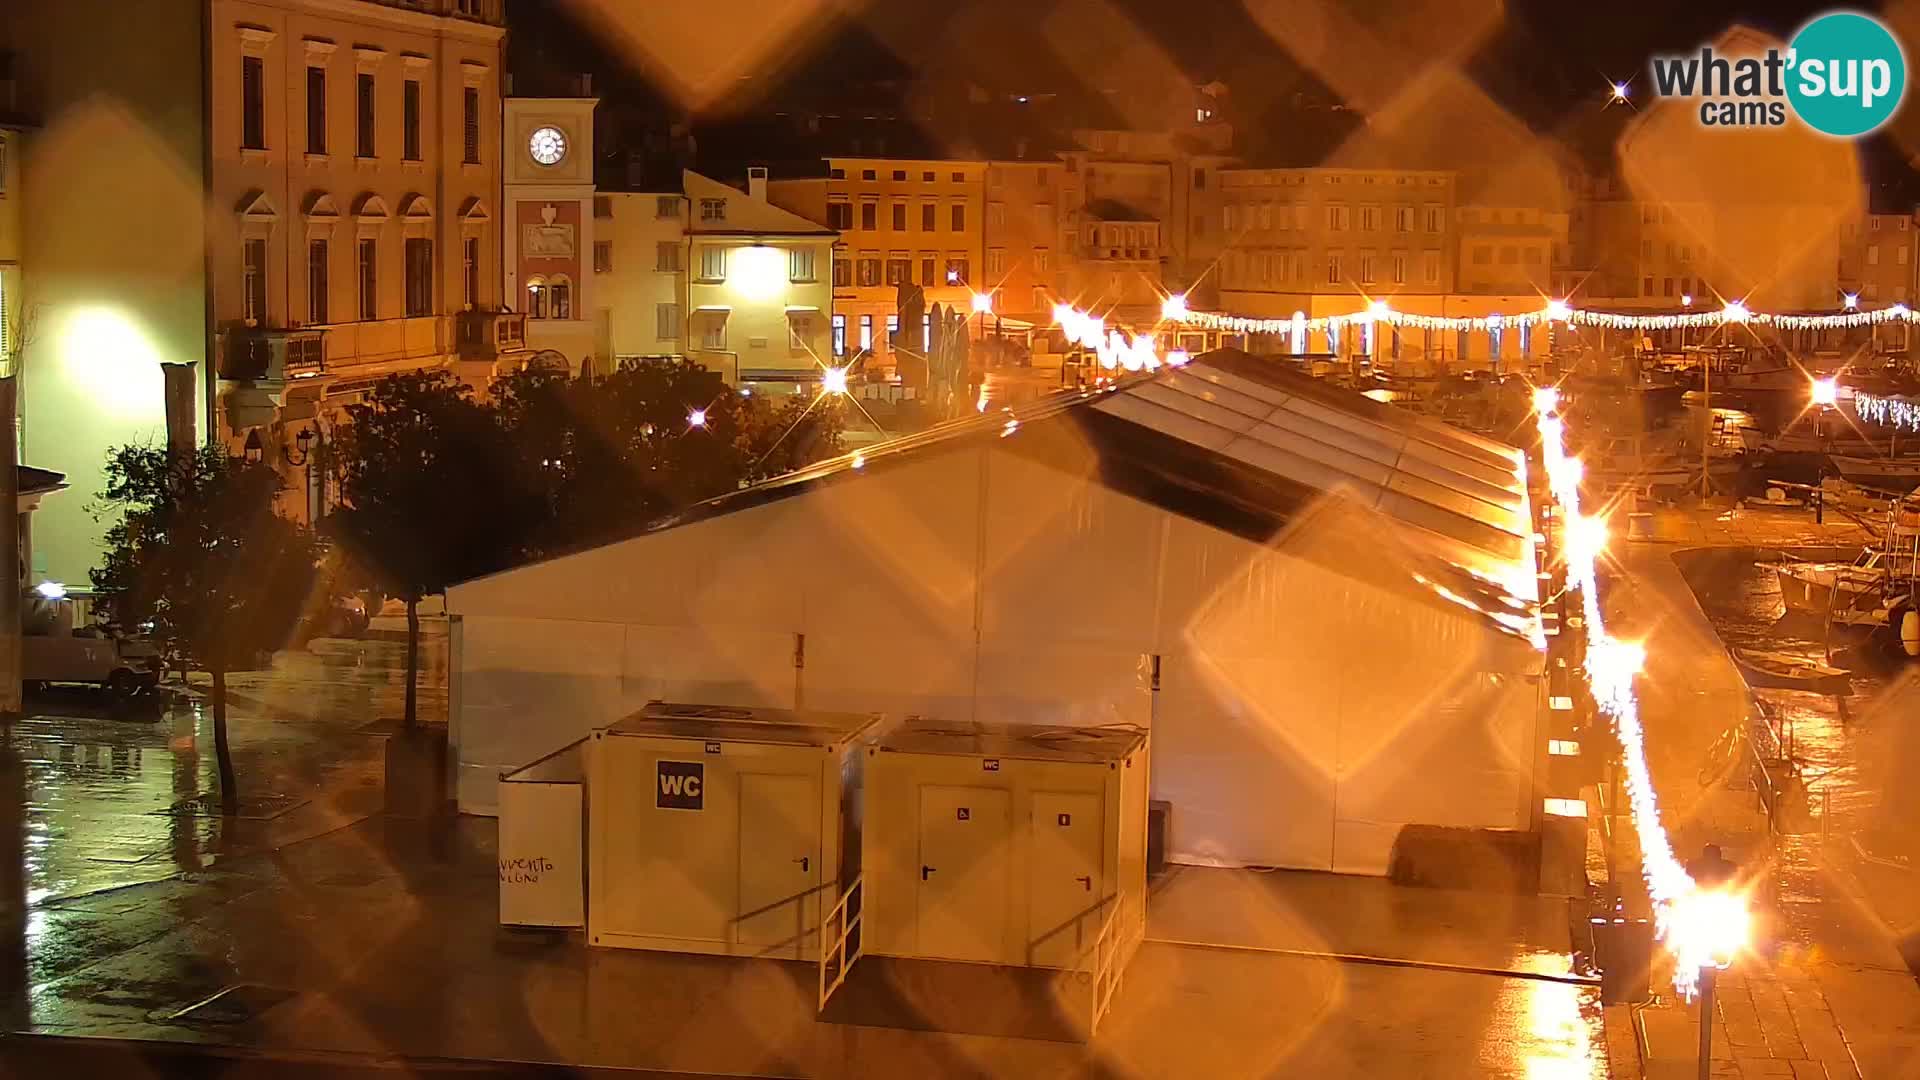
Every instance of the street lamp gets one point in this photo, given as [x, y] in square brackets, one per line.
[304, 441]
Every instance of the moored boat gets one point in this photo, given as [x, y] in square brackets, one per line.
[1820, 589]
[1900, 474]
[1784, 671]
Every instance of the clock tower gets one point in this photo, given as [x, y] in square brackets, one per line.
[547, 176]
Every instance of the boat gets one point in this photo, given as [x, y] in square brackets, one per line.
[1784, 671]
[1823, 589]
[1900, 474]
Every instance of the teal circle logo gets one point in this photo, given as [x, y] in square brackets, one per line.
[1845, 74]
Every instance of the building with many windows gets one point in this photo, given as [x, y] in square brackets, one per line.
[900, 221]
[760, 288]
[258, 203]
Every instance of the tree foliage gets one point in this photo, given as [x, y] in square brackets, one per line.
[199, 558]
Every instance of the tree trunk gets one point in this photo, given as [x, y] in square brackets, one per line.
[413, 659]
[10, 548]
[229, 794]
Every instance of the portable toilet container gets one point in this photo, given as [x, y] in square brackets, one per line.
[1021, 846]
[714, 829]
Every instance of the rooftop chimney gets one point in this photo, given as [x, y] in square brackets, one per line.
[757, 182]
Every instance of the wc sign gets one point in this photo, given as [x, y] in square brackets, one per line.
[680, 785]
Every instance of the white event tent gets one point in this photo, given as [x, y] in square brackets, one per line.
[1325, 609]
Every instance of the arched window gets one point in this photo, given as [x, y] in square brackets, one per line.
[559, 298]
[536, 298]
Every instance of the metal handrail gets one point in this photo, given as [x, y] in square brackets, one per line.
[1106, 964]
[835, 959]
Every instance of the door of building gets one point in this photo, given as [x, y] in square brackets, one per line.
[961, 905]
[779, 864]
[1067, 889]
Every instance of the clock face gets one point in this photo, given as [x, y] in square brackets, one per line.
[547, 145]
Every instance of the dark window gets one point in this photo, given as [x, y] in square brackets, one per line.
[253, 103]
[560, 304]
[899, 271]
[842, 270]
[959, 178]
[369, 279]
[419, 255]
[837, 174]
[926, 269]
[928, 211]
[900, 216]
[1199, 179]
[363, 102]
[899, 174]
[927, 177]
[869, 215]
[869, 271]
[869, 174]
[254, 269]
[839, 215]
[317, 282]
[316, 110]
[470, 125]
[470, 253]
[959, 217]
[410, 120]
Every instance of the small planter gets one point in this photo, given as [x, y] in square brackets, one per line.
[417, 772]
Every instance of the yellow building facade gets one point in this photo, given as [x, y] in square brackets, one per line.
[272, 199]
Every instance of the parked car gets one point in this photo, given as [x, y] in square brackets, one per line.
[57, 646]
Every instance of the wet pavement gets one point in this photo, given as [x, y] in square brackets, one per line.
[314, 926]
[1825, 992]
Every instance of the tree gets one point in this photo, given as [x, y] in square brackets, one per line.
[423, 500]
[200, 557]
[603, 457]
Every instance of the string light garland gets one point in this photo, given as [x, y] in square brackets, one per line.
[1897, 412]
[1702, 928]
[1555, 311]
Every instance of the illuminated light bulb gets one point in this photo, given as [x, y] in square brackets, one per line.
[1899, 311]
[833, 380]
[1619, 91]
[758, 272]
[1586, 539]
[1062, 313]
[697, 418]
[1852, 300]
[1558, 311]
[1686, 299]
[1174, 308]
[1564, 475]
[1735, 312]
[1379, 309]
[1826, 391]
[1709, 927]
[1178, 357]
[1546, 399]
[50, 590]
[982, 303]
[953, 277]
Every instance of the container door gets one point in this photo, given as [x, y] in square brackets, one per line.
[779, 863]
[962, 897]
[1067, 890]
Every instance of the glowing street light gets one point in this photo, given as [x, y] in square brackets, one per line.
[833, 380]
[1559, 311]
[1686, 299]
[1174, 308]
[1852, 300]
[1826, 392]
[1546, 399]
[697, 418]
[1620, 92]
[982, 303]
[1379, 310]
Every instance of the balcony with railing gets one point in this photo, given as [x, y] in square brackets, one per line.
[491, 12]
